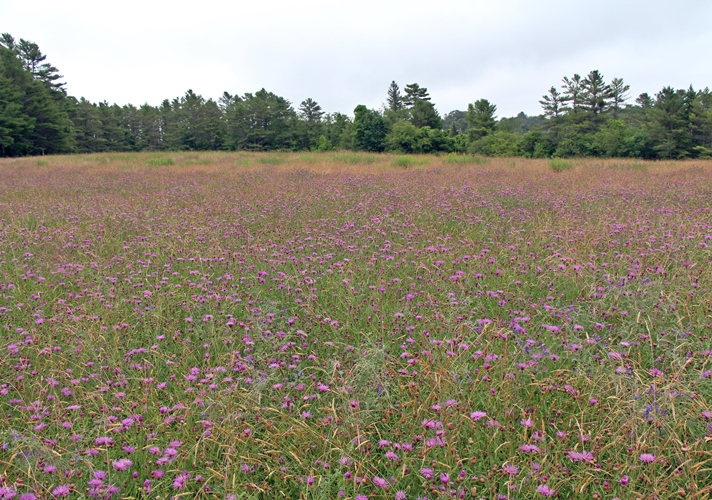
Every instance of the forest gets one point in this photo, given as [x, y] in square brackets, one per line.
[582, 116]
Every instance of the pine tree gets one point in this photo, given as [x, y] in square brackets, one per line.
[596, 97]
[310, 114]
[47, 127]
[394, 100]
[481, 119]
[414, 91]
[15, 124]
[260, 121]
[423, 114]
[553, 104]
[573, 93]
[619, 94]
[670, 124]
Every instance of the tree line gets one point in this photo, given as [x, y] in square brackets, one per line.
[582, 116]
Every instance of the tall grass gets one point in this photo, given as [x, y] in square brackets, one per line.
[462, 159]
[560, 165]
[341, 328]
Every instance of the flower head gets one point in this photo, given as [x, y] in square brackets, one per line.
[545, 490]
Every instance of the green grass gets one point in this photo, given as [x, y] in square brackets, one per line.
[408, 161]
[560, 165]
[160, 162]
[462, 159]
[264, 322]
[352, 158]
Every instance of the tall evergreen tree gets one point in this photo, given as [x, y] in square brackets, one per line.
[261, 121]
[394, 100]
[670, 125]
[619, 94]
[596, 97]
[424, 114]
[47, 127]
[553, 104]
[481, 119]
[151, 128]
[414, 91]
[88, 128]
[310, 114]
[573, 92]
[15, 124]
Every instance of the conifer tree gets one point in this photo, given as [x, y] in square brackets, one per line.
[481, 119]
[394, 100]
[414, 91]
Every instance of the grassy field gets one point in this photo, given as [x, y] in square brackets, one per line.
[349, 325]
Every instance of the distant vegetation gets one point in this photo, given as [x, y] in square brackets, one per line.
[585, 116]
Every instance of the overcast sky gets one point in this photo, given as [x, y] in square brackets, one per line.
[346, 53]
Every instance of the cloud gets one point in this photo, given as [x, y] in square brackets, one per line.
[342, 53]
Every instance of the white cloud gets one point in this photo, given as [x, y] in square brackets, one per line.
[345, 53]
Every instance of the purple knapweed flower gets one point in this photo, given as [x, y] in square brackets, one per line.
[647, 458]
[380, 482]
[580, 456]
[529, 448]
[427, 473]
[510, 469]
[7, 492]
[544, 490]
[122, 464]
[61, 491]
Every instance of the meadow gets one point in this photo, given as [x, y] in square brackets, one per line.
[352, 325]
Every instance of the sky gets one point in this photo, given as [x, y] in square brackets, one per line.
[342, 54]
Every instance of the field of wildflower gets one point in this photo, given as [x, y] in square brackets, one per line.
[342, 325]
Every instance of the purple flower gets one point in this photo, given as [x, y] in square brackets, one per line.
[545, 490]
[180, 480]
[104, 440]
[61, 491]
[580, 456]
[510, 469]
[427, 473]
[380, 482]
[122, 464]
[647, 457]
[7, 492]
[476, 415]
